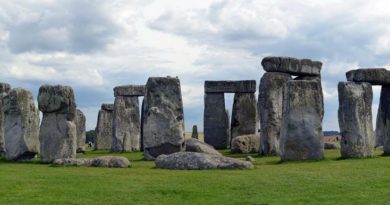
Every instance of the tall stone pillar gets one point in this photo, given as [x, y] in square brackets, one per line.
[4, 90]
[80, 131]
[104, 127]
[215, 127]
[383, 120]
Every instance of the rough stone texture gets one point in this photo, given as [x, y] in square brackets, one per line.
[58, 134]
[4, 90]
[250, 159]
[194, 132]
[329, 145]
[194, 145]
[142, 124]
[104, 129]
[246, 144]
[163, 128]
[245, 119]
[301, 136]
[270, 107]
[228, 128]
[79, 121]
[108, 107]
[199, 161]
[242, 86]
[126, 125]
[355, 119]
[383, 120]
[292, 66]
[105, 161]
[21, 125]
[129, 90]
[375, 76]
[216, 130]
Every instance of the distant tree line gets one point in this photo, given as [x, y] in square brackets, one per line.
[90, 136]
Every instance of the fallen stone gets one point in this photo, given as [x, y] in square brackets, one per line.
[292, 66]
[250, 159]
[301, 132]
[375, 76]
[4, 90]
[246, 144]
[129, 90]
[199, 161]
[163, 128]
[215, 121]
[80, 131]
[329, 145]
[194, 145]
[57, 134]
[103, 129]
[21, 125]
[105, 161]
[270, 109]
[242, 86]
[355, 119]
[245, 120]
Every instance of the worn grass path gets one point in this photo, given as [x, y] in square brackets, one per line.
[331, 181]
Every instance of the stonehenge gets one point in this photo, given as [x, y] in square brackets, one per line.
[103, 129]
[374, 76]
[126, 118]
[79, 121]
[58, 135]
[4, 90]
[163, 121]
[246, 144]
[21, 125]
[216, 118]
[293, 66]
[383, 120]
[194, 134]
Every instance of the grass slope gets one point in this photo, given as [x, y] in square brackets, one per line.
[330, 181]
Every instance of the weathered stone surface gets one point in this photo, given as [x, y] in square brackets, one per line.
[21, 125]
[58, 135]
[199, 161]
[163, 128]
[142, 124]
[104, 129]
[383, 120]
[214, 121]
[129, 90]
[245, 119]
[329, 145]
[270, 107]
[242, 86]
[292, 66]
[194, 145]
[108, 107]
[105, 161]
[375, 76]
[355, 119]
[303, 110]
[228, 128]
[79, 121]
[246, 144]
[4, 90]
[126, 125]
[250, 159]
[194, 132]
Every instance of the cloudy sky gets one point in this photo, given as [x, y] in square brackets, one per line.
[94, 45]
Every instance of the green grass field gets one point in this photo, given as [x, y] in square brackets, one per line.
[330, 181]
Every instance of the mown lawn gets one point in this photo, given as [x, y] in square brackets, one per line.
[331, 181]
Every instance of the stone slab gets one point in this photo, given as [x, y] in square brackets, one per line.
[291, 65]
[242, 86]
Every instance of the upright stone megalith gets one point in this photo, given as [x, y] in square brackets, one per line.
[383, 120]
[21, 125]
[58, 135]
[104, 127]
[4, 90]
[216, 130]
[355, 119]
[245, 119]
[80, 131]
[270, 109]
[194, 134]
[163, 128]
[126, 118]
[301, 135]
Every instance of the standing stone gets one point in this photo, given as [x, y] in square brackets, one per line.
[104, 127]
[80, 131]
[4, 90]
[142, 124]
[163, 128]
[244, 115]
[57, 135]
[270, 109]
[215, 127]
[355, 119]
[227, 125]
[383, 120]
[194, 132]
[301, 135]
[21, 125]
[126, 124]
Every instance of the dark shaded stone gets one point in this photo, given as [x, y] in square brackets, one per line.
[291, 65]
[104, 129]
[245, 120]
[242, 86]
[194, 132]
[383, 120]
[129, 90]
[215, 127]
[375, 76]
[355, 119]
[108, 107]
[4, 90]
